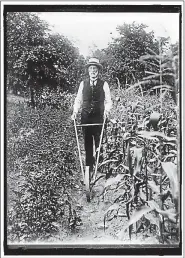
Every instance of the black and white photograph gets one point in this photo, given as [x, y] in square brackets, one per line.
[92, 127]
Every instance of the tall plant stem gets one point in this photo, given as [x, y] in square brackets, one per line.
[160, 72]
[146, 172]
[161, 203]
[161, 222]
[119, 85]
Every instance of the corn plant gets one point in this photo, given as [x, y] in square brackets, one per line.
[163, 71]
[145, 179]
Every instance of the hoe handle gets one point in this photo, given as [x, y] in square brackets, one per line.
[97, 160]
[80, 157]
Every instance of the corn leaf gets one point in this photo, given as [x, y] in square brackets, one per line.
[145, 134]
[152, 51]
[153, 205]
[114, 180]
[170, 214]
[137, 214]
[123, 166]
[138, 152]
[171, 155]
[146, 57]
[167, 87]
[155, 188]
[158, 134]
[153, 220]
[149, 170]
[152, 160]
[142, 195]
[138, 84]
[163, 94]
[55, 224]
[114, 207]
[169, 74]
[156, 65]
[121, 234]
[171, 170]
[168, 69]
[151, 77]
[148, 72]
[173, 152]
[165, 64]
[106, 162]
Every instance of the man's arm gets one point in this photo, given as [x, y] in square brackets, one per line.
[108, 101]
[78, 100]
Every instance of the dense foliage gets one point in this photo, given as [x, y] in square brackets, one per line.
[135, 55]
[140, 160]
[36, 58]
[42, 173]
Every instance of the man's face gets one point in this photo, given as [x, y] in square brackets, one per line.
[93, 71]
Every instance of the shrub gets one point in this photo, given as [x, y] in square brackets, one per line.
[41, 171]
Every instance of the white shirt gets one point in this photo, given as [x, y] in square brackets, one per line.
[79, 98]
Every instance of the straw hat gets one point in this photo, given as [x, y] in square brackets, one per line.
[94, 61]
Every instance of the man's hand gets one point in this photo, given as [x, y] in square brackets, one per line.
[73, 117]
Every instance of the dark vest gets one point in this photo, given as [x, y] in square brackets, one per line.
[93, 97]
[93, 102]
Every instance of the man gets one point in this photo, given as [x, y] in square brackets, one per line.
[95, 99]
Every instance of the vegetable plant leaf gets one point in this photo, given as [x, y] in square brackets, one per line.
[129, 159]
[114, 207]
[137, 214]
[153, 219]
[113, 180]
[137, 159]
[148, 72]
[107, 161]
[154, 187]
[166, 213]
[146, 57]
[171, 170]
[147, 134]
[153, 205]
[168, 87]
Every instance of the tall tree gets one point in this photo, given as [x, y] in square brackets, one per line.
[124, 51]
[24, 32]
[36, 57]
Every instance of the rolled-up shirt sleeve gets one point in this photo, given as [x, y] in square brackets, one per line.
[78, 99]
[108, 101]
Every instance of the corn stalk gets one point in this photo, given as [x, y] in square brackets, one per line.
[119, 85]
[160, 72]
[164, 69]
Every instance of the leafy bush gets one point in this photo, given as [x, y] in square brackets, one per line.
[41, 167]
[37, 58]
